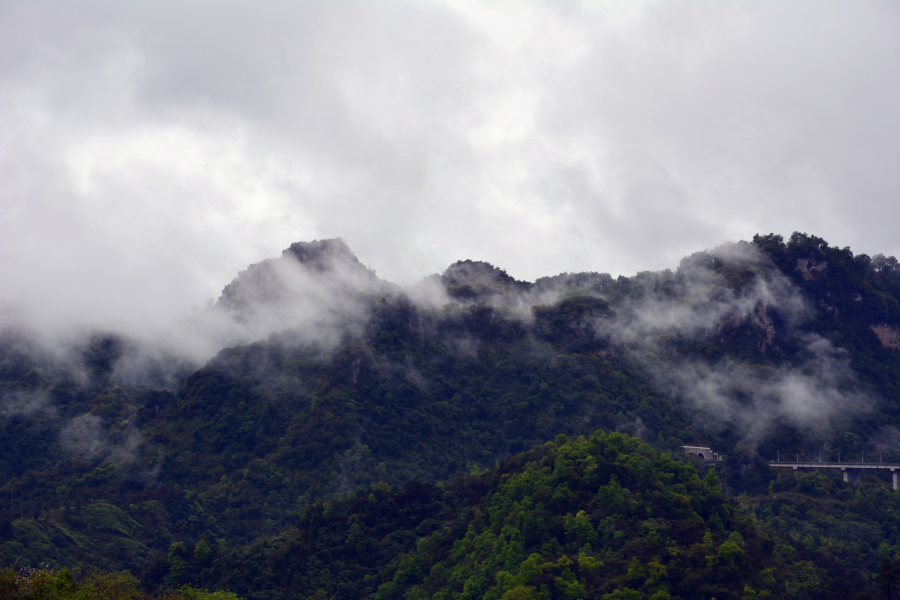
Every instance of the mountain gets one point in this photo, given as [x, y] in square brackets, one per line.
[599, 516]
[302, 268]
[342, 387]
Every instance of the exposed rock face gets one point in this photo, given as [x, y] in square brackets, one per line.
[762, 320]
[888, 335]
[759, 318]
[809, 268]
[605, 354]
[731, 322]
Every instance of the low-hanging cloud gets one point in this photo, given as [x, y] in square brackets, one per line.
[316, 289]
[814, 391]
[91, 437]
[815, 396]
[23, 403]
[698, 301]
[712, 295]
[315, 292]
[320, 292]
[84, 436]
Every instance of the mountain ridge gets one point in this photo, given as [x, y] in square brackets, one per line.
[753, 348]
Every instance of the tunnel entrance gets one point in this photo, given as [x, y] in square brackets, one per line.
[703, 453]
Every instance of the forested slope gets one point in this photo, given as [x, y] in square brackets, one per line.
[603, 516]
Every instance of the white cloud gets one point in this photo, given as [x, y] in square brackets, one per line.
[151, 150]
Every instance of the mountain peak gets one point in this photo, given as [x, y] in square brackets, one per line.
[474, 271]
[475, 280]
[283, 280]
[321, 255]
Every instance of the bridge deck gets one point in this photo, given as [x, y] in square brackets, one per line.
[851, 470]
[783, 464]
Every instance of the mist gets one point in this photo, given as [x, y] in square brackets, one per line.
[819, 396]
[817, 392]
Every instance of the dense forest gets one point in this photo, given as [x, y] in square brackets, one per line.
[473, 436]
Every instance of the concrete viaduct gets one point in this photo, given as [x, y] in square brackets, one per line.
[850, 470]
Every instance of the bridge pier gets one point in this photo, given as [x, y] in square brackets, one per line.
[896, 478]
[852, 476]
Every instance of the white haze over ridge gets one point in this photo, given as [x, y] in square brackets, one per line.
[321, 300]
[815, 394]
[697, 301]
[149, 151]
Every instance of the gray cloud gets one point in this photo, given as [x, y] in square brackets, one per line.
[152, 150]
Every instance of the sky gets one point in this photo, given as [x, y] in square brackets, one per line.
[151, 150]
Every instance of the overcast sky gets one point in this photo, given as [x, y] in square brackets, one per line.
[150, 150]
